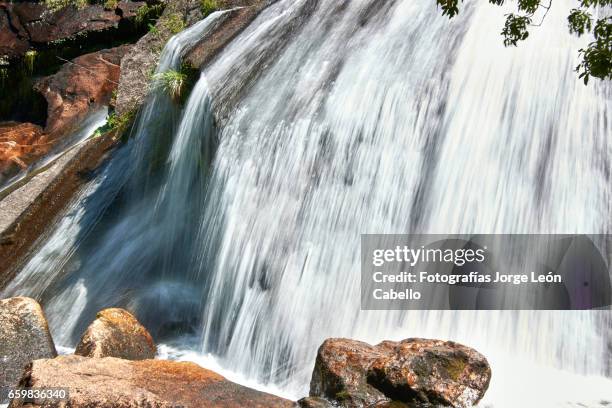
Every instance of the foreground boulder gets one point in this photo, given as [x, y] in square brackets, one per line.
[111, 382]
[413, 371]
[24, 336]
[116, 333]
[340, 373]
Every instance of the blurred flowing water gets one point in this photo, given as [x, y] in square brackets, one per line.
[231, 227]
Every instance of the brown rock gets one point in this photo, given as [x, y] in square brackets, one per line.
[85, 83]
[13, 39]
[116, 333]
[340, 373]
[416, 372]
[111, 383]
[69, 21]
[314, 402]
[432, 371]
[24, 336]
[20, 144]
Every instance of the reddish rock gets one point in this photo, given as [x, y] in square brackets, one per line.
[28, 25]
[413, 371]
[433, 371]
[13, 39]
[116, 333]
[340, 373]
[24, 336]
[87, 82]
[110, 383]
[20, 145]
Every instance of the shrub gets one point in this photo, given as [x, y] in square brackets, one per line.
[173, 23]
[111, 4]
[146, 13]
[153, 29]
[208, 6]
[118, 124]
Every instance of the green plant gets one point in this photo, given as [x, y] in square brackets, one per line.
[29, 59]
[111, 4]
[208, 6]
[117, 124]
[171, 82]
[146, 13]
[56, 5]
[153, 29]
[173, 22]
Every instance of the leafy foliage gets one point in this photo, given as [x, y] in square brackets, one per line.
[515, 29]
[208, 6]
[580, 21]
[596, 58]
[119, 123]
[449, 8]
[146, 14]
[153, 29]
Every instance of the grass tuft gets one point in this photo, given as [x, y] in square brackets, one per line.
[173, 83]
[208, 6]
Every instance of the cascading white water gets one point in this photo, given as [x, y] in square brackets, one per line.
[337, 119]
[387, 119]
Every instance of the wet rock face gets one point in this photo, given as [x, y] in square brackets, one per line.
[416, 372]
[116, 333]
[87, 82]
[24, 336]
[242, 13]
[13, 38]
[111, 382]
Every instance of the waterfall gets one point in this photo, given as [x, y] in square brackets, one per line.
[129, 207]
[241, 240]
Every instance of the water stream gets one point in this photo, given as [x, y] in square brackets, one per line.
[231, 227]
